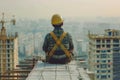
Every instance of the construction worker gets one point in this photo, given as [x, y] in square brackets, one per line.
[58, 44]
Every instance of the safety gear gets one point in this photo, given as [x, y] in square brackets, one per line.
[60, 56]
[58, 43]
[56, 19]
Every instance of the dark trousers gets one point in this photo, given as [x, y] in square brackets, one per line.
[59, 61]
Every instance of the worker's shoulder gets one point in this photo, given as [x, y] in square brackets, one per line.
[68, 34]
[47, 36]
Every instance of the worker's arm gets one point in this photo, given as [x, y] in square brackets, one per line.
[71, 46]
[45, 44]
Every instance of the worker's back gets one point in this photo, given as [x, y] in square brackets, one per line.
[58, 45]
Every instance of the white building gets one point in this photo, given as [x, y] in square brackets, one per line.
[104, 55]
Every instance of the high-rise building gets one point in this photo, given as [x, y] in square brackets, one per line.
[104, 55]
[8, 50]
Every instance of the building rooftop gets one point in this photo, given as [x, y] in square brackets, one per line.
[109, 33]
[46, 71]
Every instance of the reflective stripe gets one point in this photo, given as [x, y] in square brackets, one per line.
[53, 50]
[65, 50]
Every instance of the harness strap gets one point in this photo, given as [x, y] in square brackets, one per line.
[58, 43]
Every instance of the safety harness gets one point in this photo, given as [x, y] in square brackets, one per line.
[59, 43]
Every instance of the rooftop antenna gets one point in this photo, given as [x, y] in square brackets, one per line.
[3, 21]
[13, 20]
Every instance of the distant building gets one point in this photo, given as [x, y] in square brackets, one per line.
[81, 52]
[79, 47]
[8, 51]
[104, 55]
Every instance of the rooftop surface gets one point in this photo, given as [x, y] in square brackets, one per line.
[46, 71]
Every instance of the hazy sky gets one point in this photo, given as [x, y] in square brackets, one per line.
[67, 8]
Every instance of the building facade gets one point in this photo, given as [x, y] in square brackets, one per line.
[104, 55]
[8, 51]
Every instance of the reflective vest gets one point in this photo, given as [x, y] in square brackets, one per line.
[59, 43]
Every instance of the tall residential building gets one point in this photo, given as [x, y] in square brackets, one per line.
[104, 55]
[8, 51]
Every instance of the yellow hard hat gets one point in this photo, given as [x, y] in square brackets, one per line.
[56, 19]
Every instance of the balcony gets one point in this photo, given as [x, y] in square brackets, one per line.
[116, 48]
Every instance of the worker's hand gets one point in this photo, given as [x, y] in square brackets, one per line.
[71, 53]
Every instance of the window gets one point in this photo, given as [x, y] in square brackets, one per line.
[103, 71]
[103, 66]
[104, 61]
[116, 45]
[97, 66]
[8, 65]
[98, 41]
[8, 46]
[103, 41]
[8, 60]
[98, 61]
[103, 77]
[108, 60]
[103, 51]
[108, 46]
[109, 71]
[97, 46]
[110, 33]
[115, 50]
[108, 76]
[97, 56]
[98, 51]
[98, 71]
[103, 55]
[97, 76]
[8, 69]
[108, 41]
[8, 55]
[115, 40]
[8, 41]
[108, 51]
[108, 65]
[8, 51]
[103, 45]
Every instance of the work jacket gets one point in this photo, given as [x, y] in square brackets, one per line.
[58, 55]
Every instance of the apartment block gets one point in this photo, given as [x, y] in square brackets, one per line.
[104, 55]
[8, 51]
